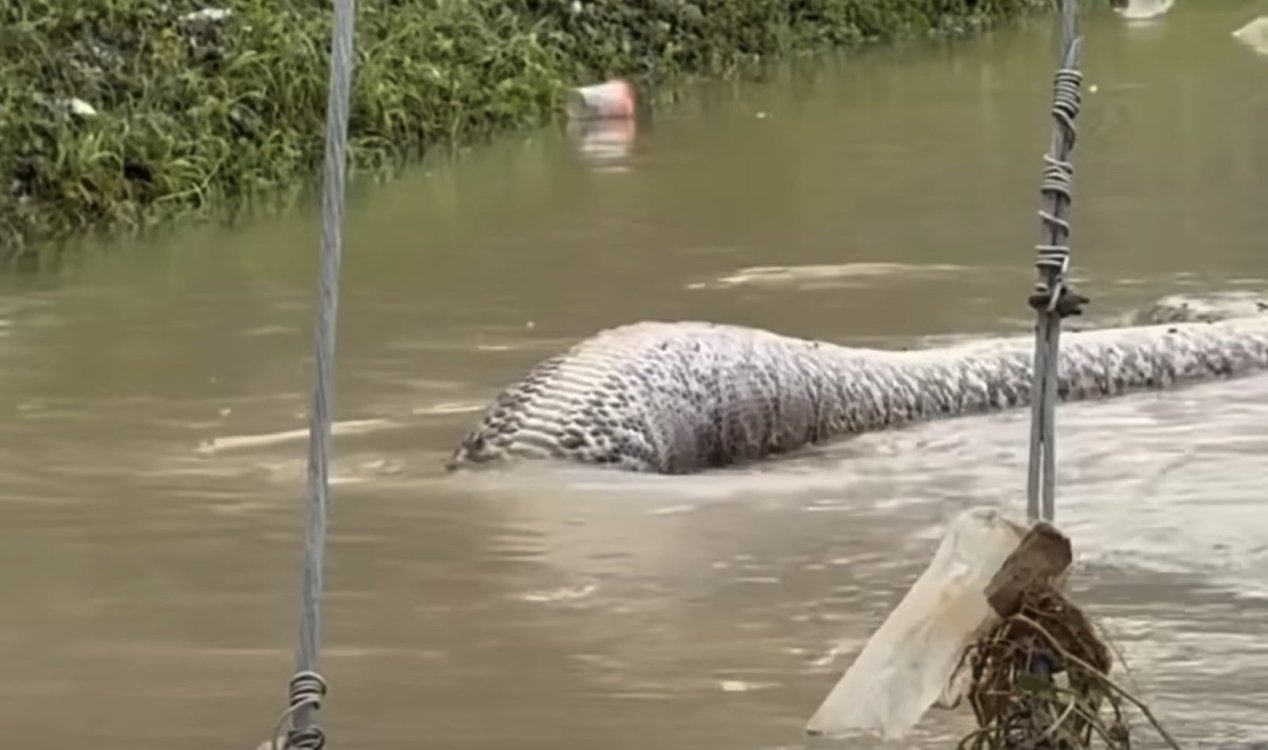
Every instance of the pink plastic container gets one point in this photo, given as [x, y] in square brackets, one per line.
[611, 100]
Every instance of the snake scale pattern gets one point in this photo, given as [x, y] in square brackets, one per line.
[682, 397]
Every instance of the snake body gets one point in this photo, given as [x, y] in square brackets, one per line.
[681, 397]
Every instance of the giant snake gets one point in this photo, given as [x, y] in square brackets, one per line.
[681, 397]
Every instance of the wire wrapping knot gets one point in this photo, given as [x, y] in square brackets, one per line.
[1052, 258]
[305, 689]
[1066, 99]
[308, 738]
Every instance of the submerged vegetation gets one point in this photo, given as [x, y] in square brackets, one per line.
[120, 113]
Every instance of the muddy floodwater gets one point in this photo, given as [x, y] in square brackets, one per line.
[153, 430]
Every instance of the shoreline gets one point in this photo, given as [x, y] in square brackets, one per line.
[137, 113]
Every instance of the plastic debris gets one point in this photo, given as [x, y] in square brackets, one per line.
[1040, 678]
[604, 101]
[1254, 35]
[909, 663]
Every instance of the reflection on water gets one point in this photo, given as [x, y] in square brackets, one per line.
[1142, 10]
[604, 142]
[823, 276]
[152, 480]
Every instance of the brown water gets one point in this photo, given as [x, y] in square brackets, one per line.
[151, 487]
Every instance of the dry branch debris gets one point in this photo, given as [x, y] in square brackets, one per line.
[1039, 680]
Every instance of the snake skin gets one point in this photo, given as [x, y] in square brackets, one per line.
[680, 397]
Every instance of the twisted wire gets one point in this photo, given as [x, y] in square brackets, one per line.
[1052, 298]
[307, 687]
[1052, 258]
[306, 690]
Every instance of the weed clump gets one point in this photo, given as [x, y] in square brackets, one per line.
[1040, 679]
[120, 113]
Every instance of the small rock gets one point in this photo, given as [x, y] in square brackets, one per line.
[80, 108]
[207, 15]
[67, 105]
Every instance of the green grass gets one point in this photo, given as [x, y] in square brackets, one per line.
[205, 119]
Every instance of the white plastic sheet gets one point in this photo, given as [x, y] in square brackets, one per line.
[1254, 35]
[908, 663]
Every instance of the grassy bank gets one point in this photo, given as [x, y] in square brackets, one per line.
[116, 114]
